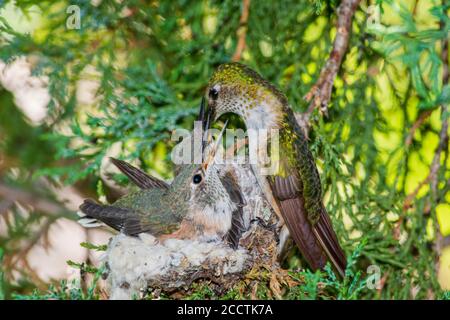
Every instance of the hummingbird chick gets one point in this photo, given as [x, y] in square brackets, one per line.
[198, 204]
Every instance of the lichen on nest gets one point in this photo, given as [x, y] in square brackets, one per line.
[135, 263]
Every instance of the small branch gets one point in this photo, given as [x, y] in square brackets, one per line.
[44, 205]
[26, 248]
[444, 58]
[320, 93]
[432, 177]
[410, 197]
[443, 141]
[52, 210]
[416, 125]
[5, 205]
[242, 31]
[414, 11]
[435, 164]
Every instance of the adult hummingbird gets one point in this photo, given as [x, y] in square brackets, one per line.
[294, 188]
[198, 204]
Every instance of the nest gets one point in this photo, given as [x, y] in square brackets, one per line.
[139, 265]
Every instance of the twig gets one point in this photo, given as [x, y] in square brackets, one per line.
[435, 164]
[416, 125]
[443, 141]
[432, 177]
[44, 205]
[26, 248]
[410, 197]
[444, 58]
[47, 207]
[242, 31]
[5, 205]
[440, 240]
[414, 11]
[320, 93]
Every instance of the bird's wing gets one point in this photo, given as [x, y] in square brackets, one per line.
[316, 243]
[237, 223]
[139, 177]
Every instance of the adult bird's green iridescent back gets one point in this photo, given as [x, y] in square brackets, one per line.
[294, 189]
[198, 204]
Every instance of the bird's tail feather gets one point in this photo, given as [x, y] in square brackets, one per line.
[302, 232]
[327, 238]
[317, 244]
[121, 219]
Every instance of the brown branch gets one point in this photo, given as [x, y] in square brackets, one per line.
[444, 58]
[414, 11]
[26, 248]
[416, 125]
[52, 211]
[320, 93]
[410, 197]
[5, 205]
[432, 177]
[242, 31]
[443, 139]
[435, 164]
[46, 206]
[443, 142]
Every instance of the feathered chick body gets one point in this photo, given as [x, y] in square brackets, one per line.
[196, 205]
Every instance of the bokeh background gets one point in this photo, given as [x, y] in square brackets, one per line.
[118, 83]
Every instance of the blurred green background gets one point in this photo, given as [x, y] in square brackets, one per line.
[136, 70]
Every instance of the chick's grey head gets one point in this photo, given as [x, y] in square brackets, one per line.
[197, 185]
[198, 190]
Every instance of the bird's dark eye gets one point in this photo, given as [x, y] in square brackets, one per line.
[213, 93]
[197, 179]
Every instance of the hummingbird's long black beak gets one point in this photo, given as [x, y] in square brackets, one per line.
[201, 113]
[205, 115]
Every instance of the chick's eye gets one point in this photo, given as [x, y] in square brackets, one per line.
[197, 179]
[213, 93]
